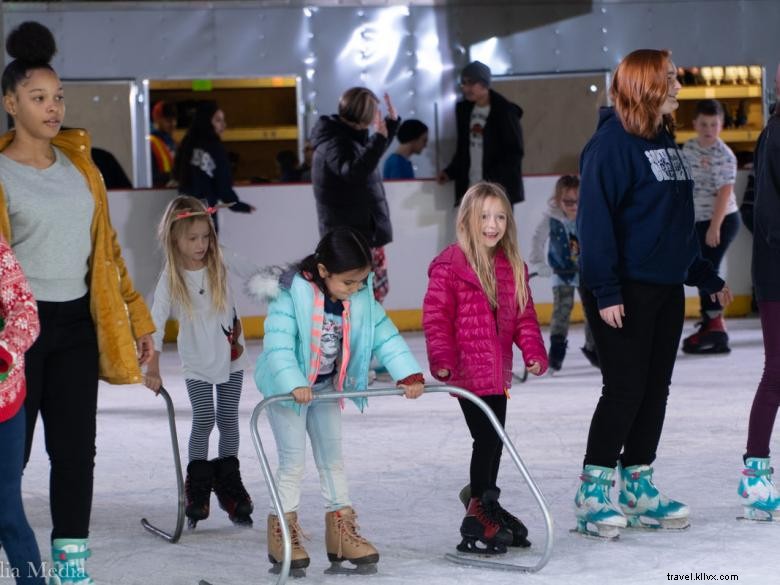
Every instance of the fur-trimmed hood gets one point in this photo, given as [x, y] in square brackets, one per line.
[266, 284]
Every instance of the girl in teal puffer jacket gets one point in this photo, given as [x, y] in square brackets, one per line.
[322, 328]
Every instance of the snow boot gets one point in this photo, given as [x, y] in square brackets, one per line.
[710, 338]
[757, 490]
[197, 488]
[508, 520]
[646, 507]
[483, 523]
[596, 514]
[232, 496]
[344, 543]
[591, 355]
[300, 558]
[558, 344]
[68, 558]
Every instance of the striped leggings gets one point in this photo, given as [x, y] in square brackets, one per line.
[202, 400]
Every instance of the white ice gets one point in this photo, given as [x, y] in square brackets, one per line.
[406, 462]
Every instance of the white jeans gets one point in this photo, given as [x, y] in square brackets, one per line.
[322, 421]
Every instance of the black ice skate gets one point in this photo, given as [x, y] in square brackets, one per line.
[482, 524]
[508, 520]
[232, 496]
[197, 488]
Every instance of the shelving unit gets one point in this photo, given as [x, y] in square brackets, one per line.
[261, 114]
[741, 139]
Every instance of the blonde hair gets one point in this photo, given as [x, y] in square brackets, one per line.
[640, 87]
[358, 105]
[469, 228]
[182, 213]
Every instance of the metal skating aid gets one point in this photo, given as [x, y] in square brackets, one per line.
[295, 572]
[172, 538]
[471, 560]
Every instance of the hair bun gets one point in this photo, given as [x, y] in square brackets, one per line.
[31, 42]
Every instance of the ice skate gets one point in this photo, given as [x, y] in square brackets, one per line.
[482, 524]
[232, 496]
[508, 520]
[646, 507]
[344, 543]
[597, 515]
[68, 559]
[758, 492]
[197, 488]
[300, 558]
[711, 337]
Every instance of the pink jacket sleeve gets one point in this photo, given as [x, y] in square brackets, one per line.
[439, 321]
[528, 336]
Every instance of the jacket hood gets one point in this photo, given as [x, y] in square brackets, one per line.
[607, 116]
[498, 99]
[266, 284]
[329, 127]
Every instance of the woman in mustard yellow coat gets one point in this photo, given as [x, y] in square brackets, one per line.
[94, 324]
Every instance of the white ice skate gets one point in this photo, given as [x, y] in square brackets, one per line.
[758, 492]
[597, 515]
[646, 507]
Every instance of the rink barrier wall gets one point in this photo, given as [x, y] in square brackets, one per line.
[284, 229]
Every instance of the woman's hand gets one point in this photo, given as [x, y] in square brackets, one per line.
[723, 296]
[443, 374]
[303, 395]
[613, 316]
[145, 347]
[391, 113]
[379, 122]
[534, 367]
[414, 390]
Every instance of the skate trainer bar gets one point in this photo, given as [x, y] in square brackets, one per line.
[474, 562]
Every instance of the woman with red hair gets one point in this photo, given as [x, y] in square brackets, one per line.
[638, 246]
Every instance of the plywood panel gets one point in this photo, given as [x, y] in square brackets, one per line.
[104, 108]
[560, 115]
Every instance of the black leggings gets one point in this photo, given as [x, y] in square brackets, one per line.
[62, 381]
[636, 366]
[487, 446]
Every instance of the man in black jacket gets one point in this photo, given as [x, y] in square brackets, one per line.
[490, 139]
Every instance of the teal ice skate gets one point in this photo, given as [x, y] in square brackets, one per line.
[68, 558]
[596, 514]
[646, 507]
[758, 492]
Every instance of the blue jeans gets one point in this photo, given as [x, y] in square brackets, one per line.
[16, 536]
[728, 231]
[322, 422]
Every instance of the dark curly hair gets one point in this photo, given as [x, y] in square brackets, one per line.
[31, 46]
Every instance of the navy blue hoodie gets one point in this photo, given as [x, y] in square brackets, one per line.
[635, 217]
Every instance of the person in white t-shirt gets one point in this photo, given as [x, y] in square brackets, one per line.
[193, 288]
[490, 138]
[714, 169]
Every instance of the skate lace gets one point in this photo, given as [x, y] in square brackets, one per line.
[296, 532]
[348, 526]
[488, 514]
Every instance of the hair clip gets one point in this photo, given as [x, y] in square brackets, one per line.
[206, 211]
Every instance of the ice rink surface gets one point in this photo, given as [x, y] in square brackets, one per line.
[406, 462]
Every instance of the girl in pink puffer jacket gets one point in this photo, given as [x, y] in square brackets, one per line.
[477, 304]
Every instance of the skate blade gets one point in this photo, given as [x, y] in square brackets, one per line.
[603, 534]
[471, 546]
[647, 523]
[336, 568]
[295, 573]
[754, 515]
